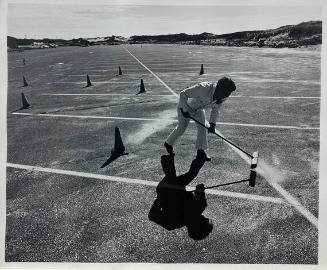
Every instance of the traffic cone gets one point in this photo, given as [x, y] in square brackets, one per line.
[120, 72]
[88, 81]
[142, 88]
[118, 149]
[202, 70]
[25, 102]
[25, 82]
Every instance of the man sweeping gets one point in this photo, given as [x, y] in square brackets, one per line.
[192, 102]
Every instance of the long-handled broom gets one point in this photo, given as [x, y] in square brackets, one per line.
[254, 157]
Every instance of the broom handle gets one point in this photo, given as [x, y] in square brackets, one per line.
[221, 137]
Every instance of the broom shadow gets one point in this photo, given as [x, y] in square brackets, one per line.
[175, 207]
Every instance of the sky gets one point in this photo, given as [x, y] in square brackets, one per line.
[85, 18]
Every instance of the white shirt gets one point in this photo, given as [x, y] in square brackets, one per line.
[200, 96]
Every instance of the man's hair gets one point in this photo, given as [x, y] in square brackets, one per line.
[226, 84]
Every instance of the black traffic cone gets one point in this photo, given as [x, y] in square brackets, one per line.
[118, 149]
[88, 81]
[120, 72]
[202, 70]
[25, 102]
[25, 82]
[142, 88]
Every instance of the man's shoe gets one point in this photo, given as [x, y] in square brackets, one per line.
[169, 148]
[202, 155]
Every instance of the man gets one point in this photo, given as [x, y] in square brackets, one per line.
[192, 102]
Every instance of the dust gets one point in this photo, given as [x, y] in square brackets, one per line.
[271, 173]
[161, 121]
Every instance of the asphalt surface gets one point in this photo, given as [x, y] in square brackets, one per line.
[55, 217]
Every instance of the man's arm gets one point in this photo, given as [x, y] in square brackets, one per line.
[214, 113]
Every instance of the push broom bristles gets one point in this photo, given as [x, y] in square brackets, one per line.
[254, 161]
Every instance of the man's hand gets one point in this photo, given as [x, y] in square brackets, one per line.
[212, 128]
[185, 114]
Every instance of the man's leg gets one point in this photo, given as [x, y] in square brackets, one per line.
[201, 140]
[177, 132]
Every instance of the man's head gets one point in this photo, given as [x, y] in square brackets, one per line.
[225, 86]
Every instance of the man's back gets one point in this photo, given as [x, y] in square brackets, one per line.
[198, 96]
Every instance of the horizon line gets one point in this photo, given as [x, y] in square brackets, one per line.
[118, 35]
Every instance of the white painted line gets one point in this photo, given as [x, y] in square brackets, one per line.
[86, 70]
[254, 80]
[144, 182]
[158, 63]
[267, 126]
[293, 201]
[96, 70]
[178, 69]
[132, 95]
[95, 82]
[84, 75]
[272, 97]
[254, 72]
[123, 66]
[113, 76]
[86, 116]
[151, 72]
[153, 119]
[263, 97]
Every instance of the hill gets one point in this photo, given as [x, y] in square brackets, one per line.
[303, 34]
[14, 43]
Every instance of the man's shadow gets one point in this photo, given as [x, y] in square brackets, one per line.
[175, 207]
